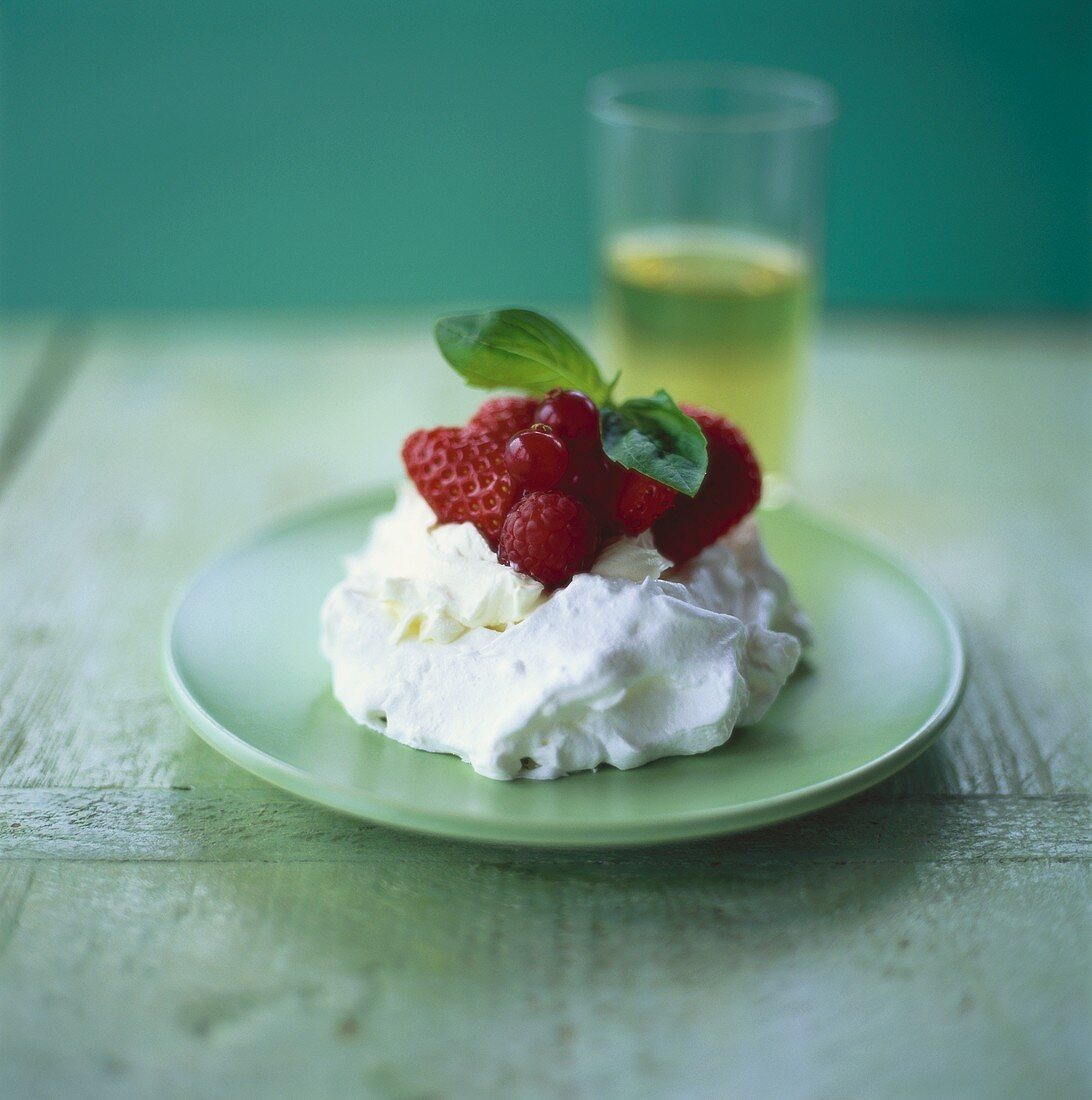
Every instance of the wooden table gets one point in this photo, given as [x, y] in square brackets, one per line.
[171, 927]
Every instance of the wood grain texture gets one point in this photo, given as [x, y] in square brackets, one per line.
[22, 343]
[171, 443]
[37, 355]
[968, 446]
[400, 979]
[154, 824]
[170, 925]
[163, 450]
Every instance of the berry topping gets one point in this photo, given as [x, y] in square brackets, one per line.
[462, 476]
[596, 481]
[732, 486]
[542, 477]
[642, 502]
[502, 417]
[570, 413]
[536, 458]
[548, 536]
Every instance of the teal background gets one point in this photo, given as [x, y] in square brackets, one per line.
[250, 155]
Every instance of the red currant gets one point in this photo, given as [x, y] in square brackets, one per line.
[596, 480]
[536, 458]
[570, 413]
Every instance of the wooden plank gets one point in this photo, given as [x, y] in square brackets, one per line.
[169, 925]
[967, 445]
[171, 442]
[152, 824]
[15, 883]
[165, 448]
[389, 978]
[37, 358]
[22, 343]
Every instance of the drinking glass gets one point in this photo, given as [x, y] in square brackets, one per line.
[710, 193]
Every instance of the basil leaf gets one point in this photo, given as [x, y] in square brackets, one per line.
[655, 437]
[518, 349]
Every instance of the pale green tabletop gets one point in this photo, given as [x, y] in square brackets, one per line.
[170, 926]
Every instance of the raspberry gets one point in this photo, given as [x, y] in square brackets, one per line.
[536, 458]
[732, 487]
[548, 536]
[462, 476]
[570, 413]
[502, 417]
[642, 502]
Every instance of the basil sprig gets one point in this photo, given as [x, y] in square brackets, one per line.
[518, 349]
[653, 435]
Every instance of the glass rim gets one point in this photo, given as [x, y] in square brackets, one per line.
[809, 101]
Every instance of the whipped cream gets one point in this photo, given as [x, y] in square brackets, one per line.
[437, 645]
[437, 580]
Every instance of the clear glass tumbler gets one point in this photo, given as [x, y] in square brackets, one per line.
[710, 185]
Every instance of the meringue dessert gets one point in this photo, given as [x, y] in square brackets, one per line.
[563, 583]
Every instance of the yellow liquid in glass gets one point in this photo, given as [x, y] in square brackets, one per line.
[717, 318]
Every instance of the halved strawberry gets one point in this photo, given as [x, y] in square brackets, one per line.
[462, 476]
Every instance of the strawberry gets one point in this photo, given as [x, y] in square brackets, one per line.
[502, 417]
[732, 487]
[548, 536]
[462, 476]
[642, 502]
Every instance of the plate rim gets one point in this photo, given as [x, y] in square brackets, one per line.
[684, 825]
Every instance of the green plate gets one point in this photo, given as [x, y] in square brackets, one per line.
[242, 662]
